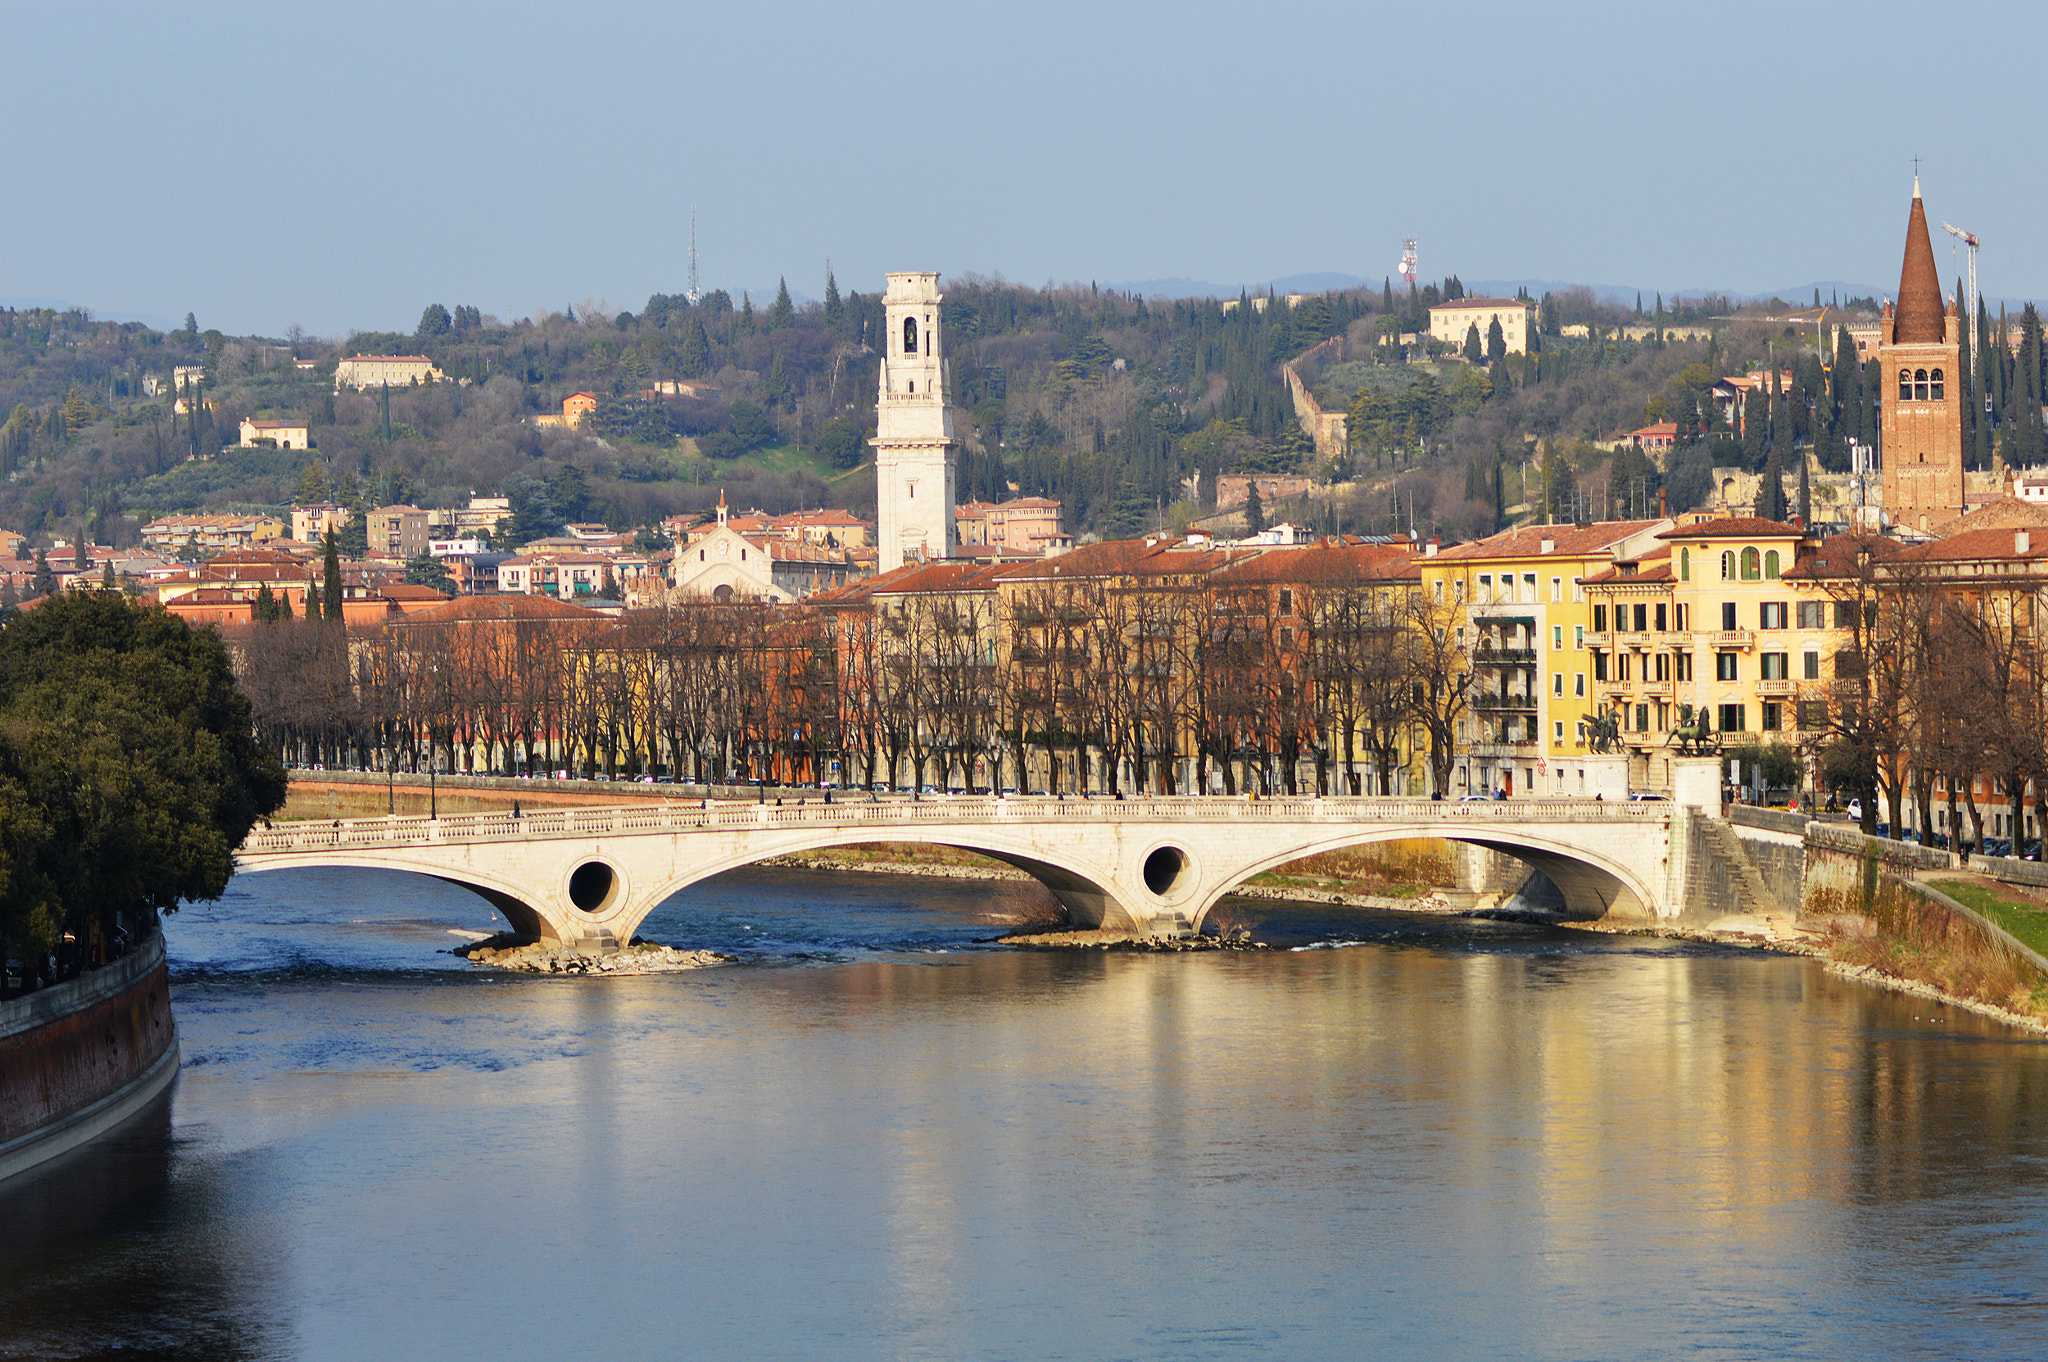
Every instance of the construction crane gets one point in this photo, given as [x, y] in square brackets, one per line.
[1409, 260]
[1968, 239]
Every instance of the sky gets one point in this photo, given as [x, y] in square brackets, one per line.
[338, 168]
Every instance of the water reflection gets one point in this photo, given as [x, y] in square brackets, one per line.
[1453, 1138]
[126, 1246]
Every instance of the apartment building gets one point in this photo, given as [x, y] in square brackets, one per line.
[1710, 624]
[398, 532]
[1519, 605]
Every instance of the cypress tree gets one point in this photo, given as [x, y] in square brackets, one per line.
[1805, 493]
[781, 312]
[1475, 351]
[330, 586]
[386, 407]
[834, 309]
[1387, 295]
[1770, 492]
[1781, 424]
[1756, 425]
[1254, 509]
[694, 358]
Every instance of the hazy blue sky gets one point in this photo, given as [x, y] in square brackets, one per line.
[340, 166]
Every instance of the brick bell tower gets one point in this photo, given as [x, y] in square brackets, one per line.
[1921, 392]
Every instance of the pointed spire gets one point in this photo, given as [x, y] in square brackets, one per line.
[1919, 316]
[721, 506]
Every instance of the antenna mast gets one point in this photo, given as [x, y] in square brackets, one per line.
[1409, 260]
[694, 294]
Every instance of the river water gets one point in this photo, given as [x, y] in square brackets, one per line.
[878, 1137]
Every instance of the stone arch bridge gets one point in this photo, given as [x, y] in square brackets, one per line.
[1154, 866]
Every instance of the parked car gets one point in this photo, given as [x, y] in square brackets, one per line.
[1647, 797]
[1855, 811]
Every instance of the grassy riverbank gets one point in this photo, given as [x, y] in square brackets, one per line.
[2012, 907]
[1918, 942]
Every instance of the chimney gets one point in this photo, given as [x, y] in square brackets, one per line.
[1547, 544]
[1429, 546]
[1663, 510]
[2021, 541]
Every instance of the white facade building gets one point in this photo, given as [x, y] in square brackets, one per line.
[913, 430]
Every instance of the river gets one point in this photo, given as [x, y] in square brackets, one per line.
[879, 1137]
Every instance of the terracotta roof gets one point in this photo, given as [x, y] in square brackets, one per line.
[1735, 527]
[413, 359]
[2005, 513]
[1978, 546]
[1652, 569]
[1836, 556]
[1919, 316]
[1482, 303]
[1326, 564]
[1568, 540]
[476, 609]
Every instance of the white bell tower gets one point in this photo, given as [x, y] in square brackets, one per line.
[913, 430]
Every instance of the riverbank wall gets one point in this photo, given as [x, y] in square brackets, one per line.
[81, 1057]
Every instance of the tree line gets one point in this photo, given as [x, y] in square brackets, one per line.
[1068, 687]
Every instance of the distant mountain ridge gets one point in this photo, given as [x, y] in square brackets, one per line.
[1326, 281]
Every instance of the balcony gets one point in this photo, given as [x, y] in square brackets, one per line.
[1744, 639]
[1657, 690]
[1513, 748]
[1494, 703]
[1776, 689]
[1641, 642]
[1484, 656]
[1602, 639]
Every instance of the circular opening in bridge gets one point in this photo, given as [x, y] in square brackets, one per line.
[1163, 869]
[591, 885]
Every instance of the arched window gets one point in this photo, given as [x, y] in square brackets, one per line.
[1685, 565]
[1919, 385]
[1905, 385]
[910, 335]
[1936, 389]
[1771, 566]
[1728, 566]
[1749, 565]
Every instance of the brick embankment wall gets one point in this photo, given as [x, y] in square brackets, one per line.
[66, 1047]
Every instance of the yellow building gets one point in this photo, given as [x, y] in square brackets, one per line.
[1707, 620]
[1524, 615]
[1448, 322]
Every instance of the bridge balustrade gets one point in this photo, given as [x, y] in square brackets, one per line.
[646, 819]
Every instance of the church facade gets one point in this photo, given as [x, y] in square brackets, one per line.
[1921, 393]
[913, 441]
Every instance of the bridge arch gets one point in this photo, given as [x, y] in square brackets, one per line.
[1090, 897]
[1593, 883]
[513, 901]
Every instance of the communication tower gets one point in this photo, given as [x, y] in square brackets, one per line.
[1409, 260]
[694, 294]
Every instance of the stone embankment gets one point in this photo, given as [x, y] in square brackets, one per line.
[537, 957]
